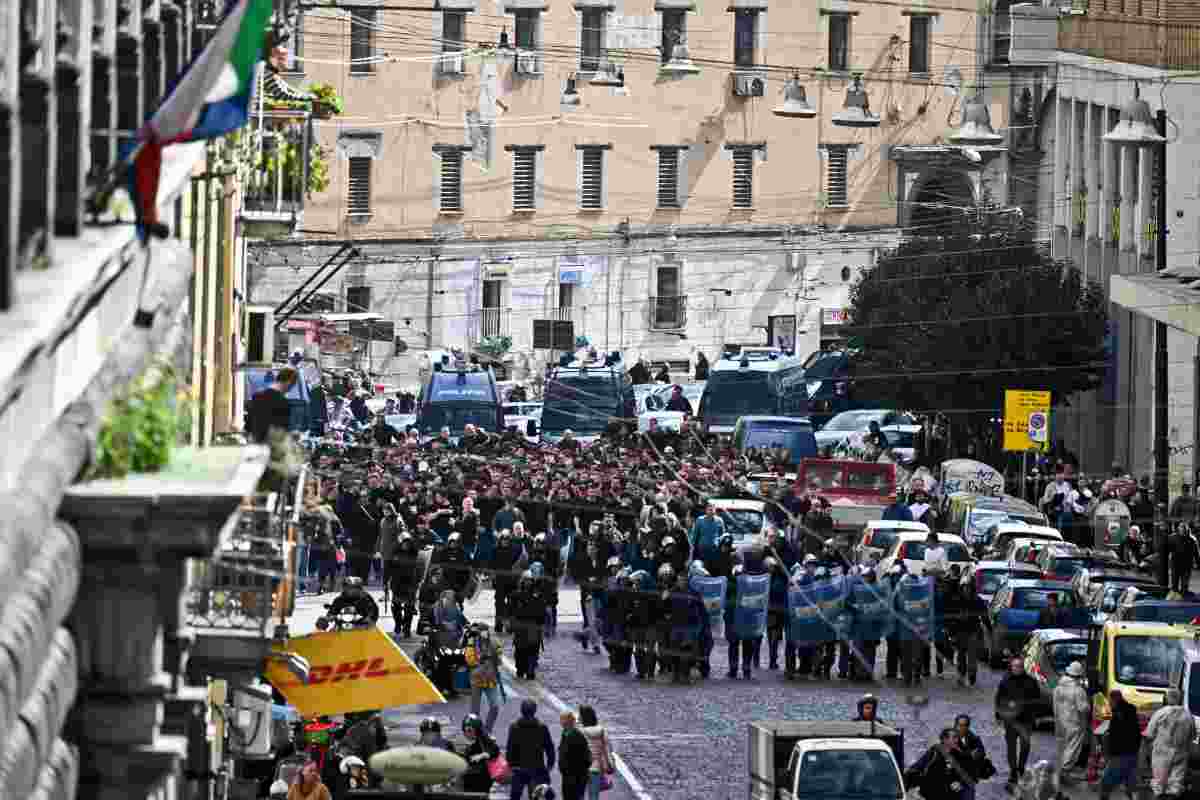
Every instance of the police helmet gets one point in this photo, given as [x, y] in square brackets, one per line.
[810, 559]
[666, 572]
[726, 539]
[614, 561]
[738, 569]
[454, 540]
[868, 699]
[822, 572]
[472, 722]
[505, 535]
[829, 544]
[431, 725]
[539, 540]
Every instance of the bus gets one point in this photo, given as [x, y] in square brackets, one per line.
[456, 397]
[584, 396]
[767, 382]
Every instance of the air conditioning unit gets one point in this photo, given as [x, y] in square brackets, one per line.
[529, 64]
[452, 63]
[748, 86]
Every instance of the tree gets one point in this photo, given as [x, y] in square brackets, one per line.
[948, 323]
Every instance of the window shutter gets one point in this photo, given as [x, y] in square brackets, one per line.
[362, 39]
[839, 42]
[358, 202]
[836, 189]
[668, 178]
[918, 45]
[743, 178]
[591, 179]
[524, 180]
[450, 191]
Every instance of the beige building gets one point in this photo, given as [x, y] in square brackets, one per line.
[501, 162]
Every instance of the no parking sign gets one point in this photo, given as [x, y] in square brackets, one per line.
[1026, 420]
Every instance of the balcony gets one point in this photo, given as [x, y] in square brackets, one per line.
[285, 172]
[493, 322]
[667, 313]
[1116, 35]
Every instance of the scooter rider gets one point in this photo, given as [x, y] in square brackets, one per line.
[455, 566]
[354, 596]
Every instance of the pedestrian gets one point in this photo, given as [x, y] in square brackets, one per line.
[602, 766]
[1017, 697]
[1171, 731]
[1184, 555]
[479, 754]
[574, 758]
[268, 410]
[1072, 710]
[529, 751]
[390, 528]
[973, 754]
[308, 785]
[528, 625]
[430, 733]
[701, 367]
[940, 773]
[482, 655]
[1122, 745]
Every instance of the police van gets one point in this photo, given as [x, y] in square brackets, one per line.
[766, 382]
[584, 395]
[457, 395]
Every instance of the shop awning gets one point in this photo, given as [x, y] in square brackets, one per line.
[1170, 296]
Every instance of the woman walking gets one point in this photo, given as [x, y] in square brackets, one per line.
[480, 753]
[602, 757]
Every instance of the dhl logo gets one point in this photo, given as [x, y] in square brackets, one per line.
[346, 671]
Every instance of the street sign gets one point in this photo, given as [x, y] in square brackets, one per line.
[1026, 420]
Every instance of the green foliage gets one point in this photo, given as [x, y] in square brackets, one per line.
[286, 156]
[950, 323]
[143, 424]
[327, 96]
[494, 346]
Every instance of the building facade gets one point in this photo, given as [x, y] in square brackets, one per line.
[1097, 201]
[503, 162]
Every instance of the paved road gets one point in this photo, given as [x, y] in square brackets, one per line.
[688, 742]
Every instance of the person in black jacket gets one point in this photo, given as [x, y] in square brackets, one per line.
[480, 751]
[528, 608]
[455, 566]
[964, 631]
[505, 573]
[1017, 697]
[641, 614]
[529, 751]
[970, 747]
[574, 759]
[941, 773]
[269, 408]
[1121, 745]
[404, 576]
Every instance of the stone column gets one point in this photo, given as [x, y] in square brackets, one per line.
[130, 109]
[39, 134]
[1074, 170]
[1091, 138]
[104, 95]
[1145, 204]
[1128, 196]
[72, 141]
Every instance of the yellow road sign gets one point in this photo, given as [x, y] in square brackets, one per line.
[1026, 420]
[360, 670]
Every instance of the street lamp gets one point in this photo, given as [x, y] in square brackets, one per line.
[856, 113]
[795, 101]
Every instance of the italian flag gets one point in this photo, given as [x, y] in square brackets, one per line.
[210, 98]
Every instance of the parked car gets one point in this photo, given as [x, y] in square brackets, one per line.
[910, 548]
[1015, 609]
[1063, 562]
[848, 423]
[1047, 655]
[973, 516]
[745, 520]
[879, 535]
[1140, 607]
[1025, 552]
[902, 441]
[1005, 532]
[988, 576]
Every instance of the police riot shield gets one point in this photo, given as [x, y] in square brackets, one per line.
[712, 592]
[750, 614]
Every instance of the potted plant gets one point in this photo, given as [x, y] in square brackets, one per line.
[143, 425]
[327, 102]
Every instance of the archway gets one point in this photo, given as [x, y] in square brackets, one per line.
[941, 200]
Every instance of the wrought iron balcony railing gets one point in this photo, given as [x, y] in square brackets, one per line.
[493, 322]
[275, 190]
[236, 589]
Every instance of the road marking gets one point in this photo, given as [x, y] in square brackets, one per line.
[542, 693]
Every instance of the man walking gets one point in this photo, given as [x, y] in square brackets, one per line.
[1171, 731]
[1016, 698]
[529, 751]
[574, 759]
[1121, 745]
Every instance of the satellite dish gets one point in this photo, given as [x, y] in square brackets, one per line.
[953, 81]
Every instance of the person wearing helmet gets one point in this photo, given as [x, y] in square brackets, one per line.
[866, 598]
[687, 623]
[431, 735]
[675, 553]
[666, 583]
[868, 709]
[543, 792]
[545, 553]
[614, 614]
[354, 776]
[528, 606]
[799, 656]
[719, 562]
[356, 597]
[482, 748]
[505, 575]
[779, 547]
[641, 617]
[455, 566]
[776, 608]
[403, 571]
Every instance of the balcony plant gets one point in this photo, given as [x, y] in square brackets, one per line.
[494, 346]
[143, 425]
[328, 102]
[286, 155]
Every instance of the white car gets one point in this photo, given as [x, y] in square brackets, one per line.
[849, 424]
[910, 549]
[880, 534]
[745, 520]
[1007, 532]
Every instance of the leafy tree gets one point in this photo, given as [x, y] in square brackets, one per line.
[948, 323]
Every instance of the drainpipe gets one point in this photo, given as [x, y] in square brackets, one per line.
[429, 304]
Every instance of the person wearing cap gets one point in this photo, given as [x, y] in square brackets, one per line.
[1071, 714]
[1171, 731]
[354, 776]
[868, 709]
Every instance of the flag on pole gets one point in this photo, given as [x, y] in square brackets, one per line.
[210, 98]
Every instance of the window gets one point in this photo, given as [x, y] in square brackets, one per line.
[674, 30]
[358, 201]
[491, 313]
[454, 27]
[525, 25]
[1002, 31]
[668, 303]
[839, 42]
[918, 45]
[358, 299]
[668, 177]
[591, 38]
[524, 179]
[591, 178]
[566, 295]
[836, 178]
[743, 177]
[450, 194]
[745, 36]
[362, 40]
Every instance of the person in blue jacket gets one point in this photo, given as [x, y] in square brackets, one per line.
[706, 533]
[684, 610]
[776, 609]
